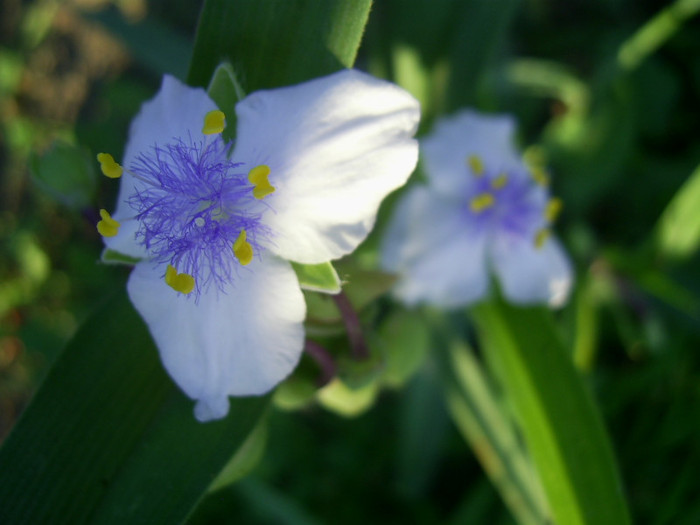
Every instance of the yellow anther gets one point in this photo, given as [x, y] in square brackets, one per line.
[553, 209]
[180, 282]
[499, 181]
[107, 227]
[539, 175]
[258, 177]
[214, 122]
[476, 165]
[109, 167]
[481, 202]
[541, 237]
[242, 249]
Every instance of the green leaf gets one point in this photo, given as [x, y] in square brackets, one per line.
[480, 417]
[678, 231]
[273, 43]
[67, 173]
[403, 341]
[655, 33]
[245, 459]
[421, 437]
[225, 90]
[318, 277]
[151, 43]
[108, 438]
[487, 24]
[561, 425]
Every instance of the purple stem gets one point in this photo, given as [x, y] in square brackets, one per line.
[358, 346]
[323, 360]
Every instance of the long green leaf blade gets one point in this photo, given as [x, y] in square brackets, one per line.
[273, 43]
[678, 231]
[482, 421]
[109, 439]
[562, 428]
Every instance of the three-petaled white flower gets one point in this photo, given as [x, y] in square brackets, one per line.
[215, 225]
[482, 210]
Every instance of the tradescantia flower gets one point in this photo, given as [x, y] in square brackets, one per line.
[483, 211]
[214, 225]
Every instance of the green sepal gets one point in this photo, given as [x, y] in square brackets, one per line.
[320, 278]
[110, 256]
[225, 90]
[297, 391]
[337, 396]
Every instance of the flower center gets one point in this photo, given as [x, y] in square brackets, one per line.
[515, 202]
[197, 212]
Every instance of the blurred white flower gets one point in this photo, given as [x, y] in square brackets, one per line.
[483, 211]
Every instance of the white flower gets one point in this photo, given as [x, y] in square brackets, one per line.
[482, 211]
[214, 230]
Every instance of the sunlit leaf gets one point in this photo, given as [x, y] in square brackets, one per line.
[318, 277]
[561, 425]
[678, 231]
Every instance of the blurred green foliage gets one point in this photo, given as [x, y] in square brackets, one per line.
[606, 94]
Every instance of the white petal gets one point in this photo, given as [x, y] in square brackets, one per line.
[235, 344]
[454, 139]
[440, 259]
[532, 275]
[177, 111]
[336, 146]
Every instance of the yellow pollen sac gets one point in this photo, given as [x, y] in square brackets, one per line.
[539, 175]
[258, 177]
[180, 282]
[214, 122]
[107, 227]
[109, 167]
[481, 202]
[476, 165]
[242, 249]
[541, 237]
[499, 182]
[553, 209]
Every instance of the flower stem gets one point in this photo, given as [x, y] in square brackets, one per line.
[358, 345]
[323, 359]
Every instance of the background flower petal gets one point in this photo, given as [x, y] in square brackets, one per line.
[177, 111]
[336, 146]
[532, 275]
[240, 343]
[440, 259]
[455, 138]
